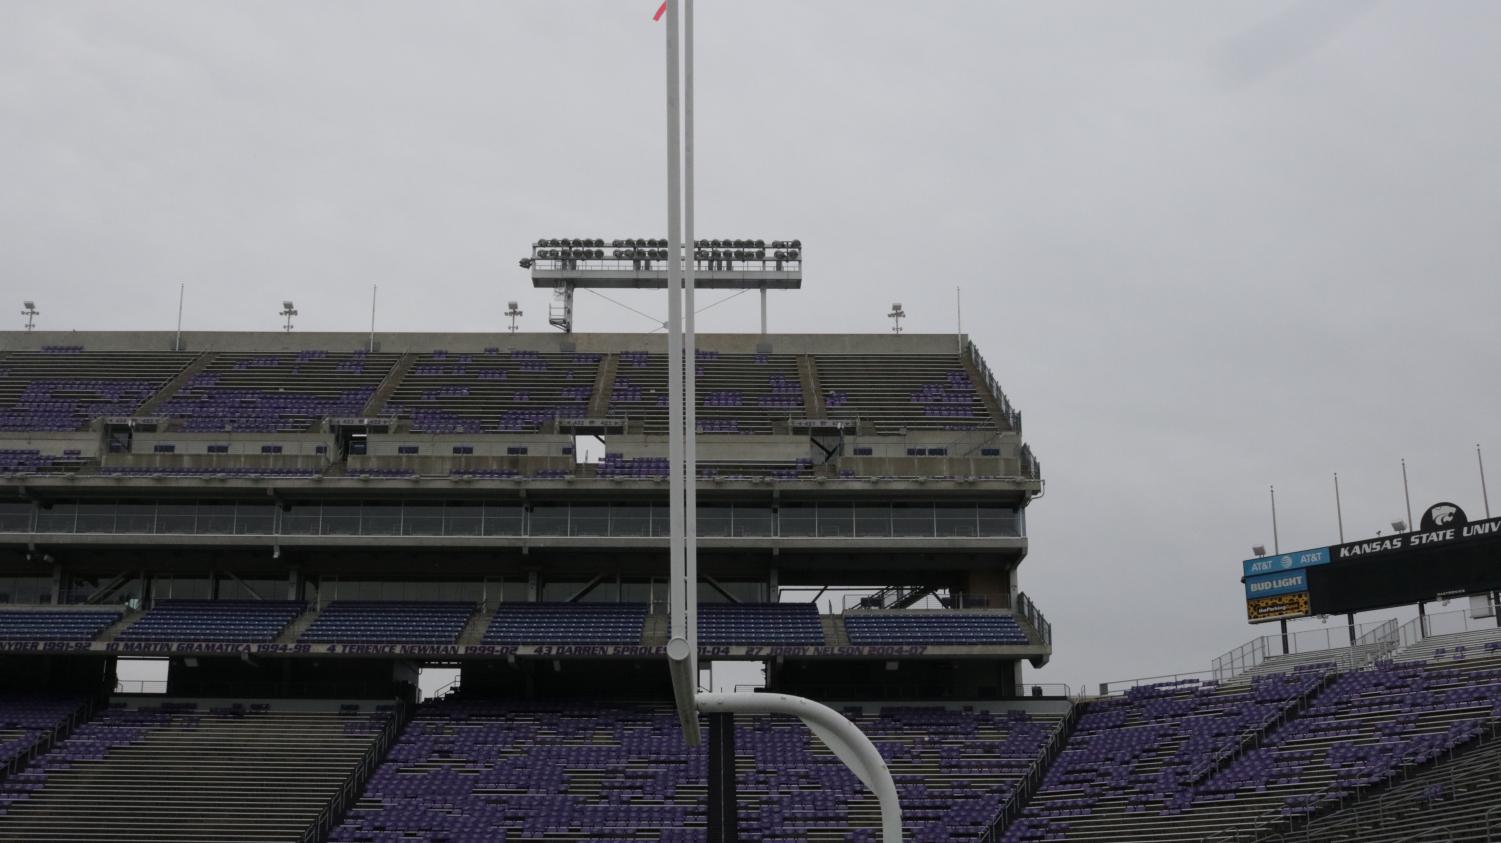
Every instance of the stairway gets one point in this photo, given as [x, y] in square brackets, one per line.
[388, 385]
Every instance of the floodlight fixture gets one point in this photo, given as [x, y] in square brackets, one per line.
[30, 313]
[287, 310]
[1399, 525]
[896, 315]
[1258, 549]
[513, 312]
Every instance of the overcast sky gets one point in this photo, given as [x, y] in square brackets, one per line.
[1207, 247]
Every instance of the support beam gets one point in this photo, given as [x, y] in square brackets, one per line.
[724, 815]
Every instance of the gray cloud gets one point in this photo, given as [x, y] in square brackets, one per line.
[1192, 289]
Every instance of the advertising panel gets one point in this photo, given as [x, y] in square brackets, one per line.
[1285, 562]
[1276, 608]
[1271, 585]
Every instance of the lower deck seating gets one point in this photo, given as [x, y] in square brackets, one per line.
[475, 770]
[29, 720]
[1455, 800]
[249, 621]
[1330, 739]
[186, 771]
[389, 622]
[55, 624]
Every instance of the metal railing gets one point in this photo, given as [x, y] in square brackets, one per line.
[1120, 686]
[140, 686]
[1029, 612]
[1031, 780]
[1333, 640]
[349, 791]
[1012, 415]
[80, 715]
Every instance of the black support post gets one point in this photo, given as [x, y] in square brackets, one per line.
[724, 820]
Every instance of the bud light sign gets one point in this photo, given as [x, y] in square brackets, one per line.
[1271, 585]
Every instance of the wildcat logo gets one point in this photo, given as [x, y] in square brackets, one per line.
[1443, 514]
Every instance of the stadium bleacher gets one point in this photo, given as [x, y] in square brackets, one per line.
[47, 624]
[567, 623]
[933, 627]
[276, 392]
[791, 624]
[65, 390]
[240, 621]
[30, 721]
[477, 770]
[1182, 761]
[911, 392]
[493, 391]
[191, 771]
[389, 622]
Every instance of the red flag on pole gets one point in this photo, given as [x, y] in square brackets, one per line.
[661, 10]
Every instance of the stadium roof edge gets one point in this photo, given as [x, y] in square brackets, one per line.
[282, 341]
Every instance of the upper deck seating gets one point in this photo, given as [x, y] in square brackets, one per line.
[248, 621]
[216, 471]
[737, 393]
[389, 622]
[495, 391]
[947, 627]
[567, 623]
[757, 624]
[891, 393]
[63, 390]
[264, 392]
[480, 770]
[55, 624]
[24, 461]
[180, 771]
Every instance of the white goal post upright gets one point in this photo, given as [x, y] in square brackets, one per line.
[841, 736]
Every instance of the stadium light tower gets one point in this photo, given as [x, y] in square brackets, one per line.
[513, 312]
[896, 316]
[288, 311]
[30, 313]
[841, 736]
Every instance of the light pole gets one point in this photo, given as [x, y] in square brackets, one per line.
[30, 313]
[288, 311]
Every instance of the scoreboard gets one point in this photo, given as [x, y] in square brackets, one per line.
[1446, 556]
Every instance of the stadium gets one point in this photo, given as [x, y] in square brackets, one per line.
[461, 582]
[300, 524]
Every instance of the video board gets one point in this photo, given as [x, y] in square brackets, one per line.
[1446, 556]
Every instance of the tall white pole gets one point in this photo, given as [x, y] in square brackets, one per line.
[1406, 496]
[690, 356]
[679, 650]
[1484, 495]
[1276, 545]
[374, 288]
[1338, 512]
[959, 315]
[181, 291]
